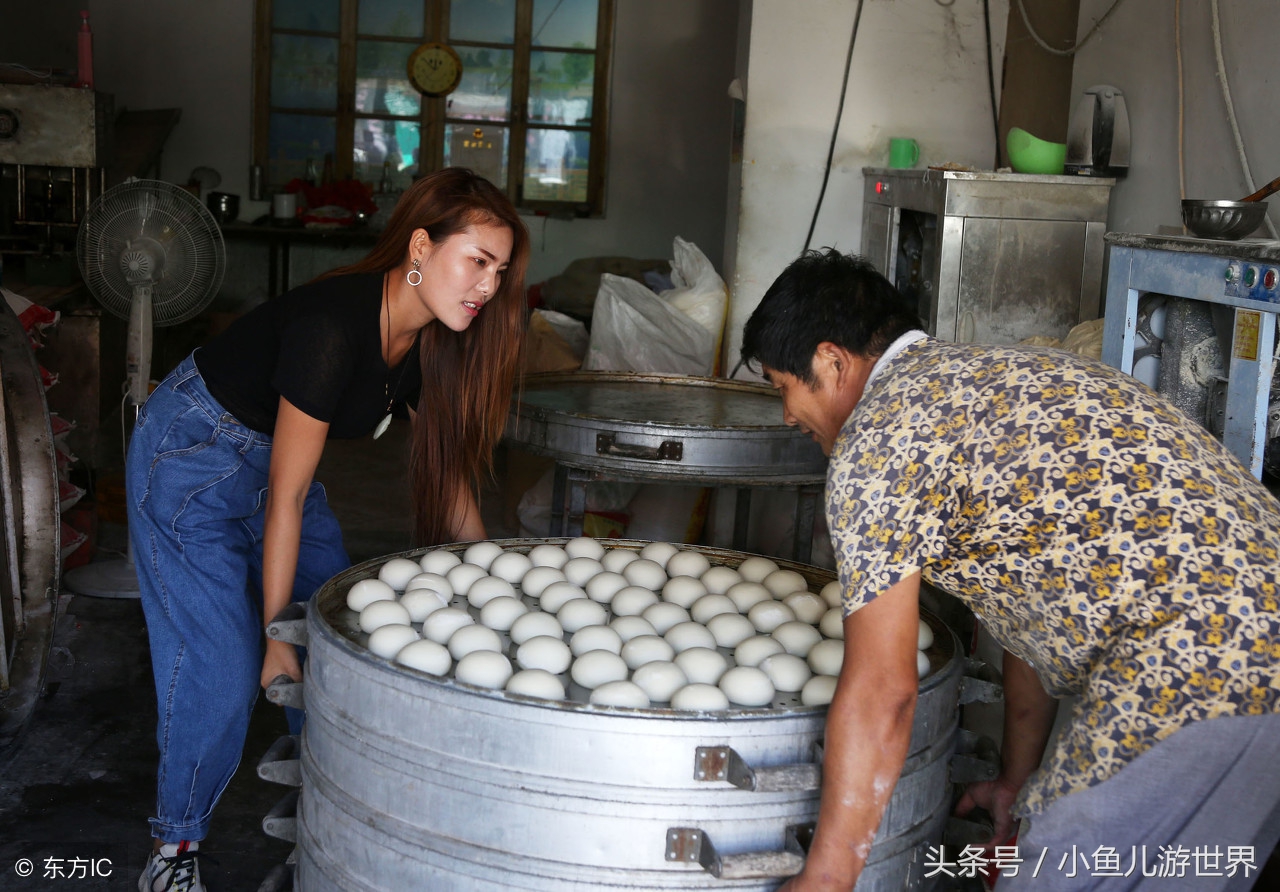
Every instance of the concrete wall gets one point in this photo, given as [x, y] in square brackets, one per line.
[669, 128]
[1135, 51]
[919, 70]
[669, 137]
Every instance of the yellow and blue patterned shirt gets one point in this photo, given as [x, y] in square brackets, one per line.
[1099, 534]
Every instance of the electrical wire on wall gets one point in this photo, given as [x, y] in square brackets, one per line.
[991, 81]
[835, 130]
[1177, 45]
[1231, 110]
[1069, 51]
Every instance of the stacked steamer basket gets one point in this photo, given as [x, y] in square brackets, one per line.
[557, 715]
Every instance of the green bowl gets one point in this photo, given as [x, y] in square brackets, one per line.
[1030, 154]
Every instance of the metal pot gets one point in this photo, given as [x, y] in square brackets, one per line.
[413, 781]
[224, 206]
[1227, 220]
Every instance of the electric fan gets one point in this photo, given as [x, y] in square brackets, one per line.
[150, 253]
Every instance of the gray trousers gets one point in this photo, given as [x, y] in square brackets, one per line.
[1199, 810]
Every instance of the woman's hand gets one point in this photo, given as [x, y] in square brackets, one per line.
[281, 659]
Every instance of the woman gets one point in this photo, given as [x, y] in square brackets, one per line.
[226, 521]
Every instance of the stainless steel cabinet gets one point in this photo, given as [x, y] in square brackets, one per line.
[989, 257]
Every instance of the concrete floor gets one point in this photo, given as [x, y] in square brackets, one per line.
[80, 782]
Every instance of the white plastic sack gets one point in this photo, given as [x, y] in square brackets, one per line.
[676, 332]
[699, 291]
[635, 330]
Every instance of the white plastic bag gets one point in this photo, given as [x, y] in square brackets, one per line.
[635, 330]
[676, 332]
[699, 291]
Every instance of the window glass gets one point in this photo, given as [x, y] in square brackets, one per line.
[483, 149]
[555, 165]
[565, 23]
[484, 21]
[390, 18]
[333, 72]
[484, 94]
[560, 87]
[304, 71]
[293, 139]
[382, 82]
[377, 141]
[305, 15]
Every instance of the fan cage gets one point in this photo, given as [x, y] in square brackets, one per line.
[151, 214]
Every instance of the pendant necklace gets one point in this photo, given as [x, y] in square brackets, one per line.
[386, 386]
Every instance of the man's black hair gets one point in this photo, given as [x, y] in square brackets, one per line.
[825, 296]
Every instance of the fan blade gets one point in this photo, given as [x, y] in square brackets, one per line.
[146, 206]
[138, 353]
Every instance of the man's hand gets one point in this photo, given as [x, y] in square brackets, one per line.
[802, 882]
[996, 796]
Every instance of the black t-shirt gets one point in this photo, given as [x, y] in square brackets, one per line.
[319, 346]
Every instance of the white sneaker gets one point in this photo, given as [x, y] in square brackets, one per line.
[174, 868]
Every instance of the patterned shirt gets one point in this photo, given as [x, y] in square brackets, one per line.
[1100, 535]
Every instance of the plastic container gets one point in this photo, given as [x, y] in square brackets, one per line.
[1030, 154]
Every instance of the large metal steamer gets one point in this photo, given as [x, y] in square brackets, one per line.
[413, 781]
[30, 560]
[676, 429]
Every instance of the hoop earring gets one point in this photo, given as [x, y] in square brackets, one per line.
[414, 272]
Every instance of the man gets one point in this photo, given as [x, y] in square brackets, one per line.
[1111, 545]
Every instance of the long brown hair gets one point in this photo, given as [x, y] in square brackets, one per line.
[467, 376]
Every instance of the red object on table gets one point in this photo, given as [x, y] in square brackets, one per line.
[84, 52]
[352, 195]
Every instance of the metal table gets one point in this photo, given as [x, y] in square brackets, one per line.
[674, 429]
[988, 257]
[1243, 276]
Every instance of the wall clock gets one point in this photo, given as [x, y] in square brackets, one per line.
[435, 69]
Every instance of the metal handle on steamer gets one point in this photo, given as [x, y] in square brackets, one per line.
[667, 450]
[284, 691]
[691, 845]
[977, 758]
[290, 625]
[280, 763]
[282, 821]
[723, 763]
[981, 683]
[278, 879]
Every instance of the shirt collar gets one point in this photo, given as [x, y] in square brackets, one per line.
[893, 350]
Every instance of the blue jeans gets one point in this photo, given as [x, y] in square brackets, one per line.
[1168, 820]
[196, 481]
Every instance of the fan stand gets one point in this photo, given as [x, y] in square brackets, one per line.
[134, 236]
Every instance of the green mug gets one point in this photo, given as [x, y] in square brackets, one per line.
[903, 151]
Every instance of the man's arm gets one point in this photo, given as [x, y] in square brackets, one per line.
[868, 731]
[1028, 719]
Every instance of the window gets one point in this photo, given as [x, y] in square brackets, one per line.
[531, 112]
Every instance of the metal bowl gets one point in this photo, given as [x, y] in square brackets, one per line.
[1226, 220]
